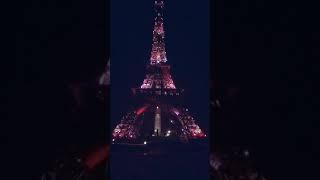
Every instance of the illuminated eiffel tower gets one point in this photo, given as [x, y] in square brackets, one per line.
[160, 116]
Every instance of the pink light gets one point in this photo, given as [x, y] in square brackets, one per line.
[176, 111]
[142, 109]
[158, 52]
[97, 157]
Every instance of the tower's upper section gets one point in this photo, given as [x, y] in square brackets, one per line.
[158, 51]
[158, 75]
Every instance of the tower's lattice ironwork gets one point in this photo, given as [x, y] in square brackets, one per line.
[158, 116]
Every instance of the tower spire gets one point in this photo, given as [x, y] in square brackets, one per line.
[158, 76]
[158, 51]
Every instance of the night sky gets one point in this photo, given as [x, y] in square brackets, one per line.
[58, 43]
[187, 45]
[262, 52]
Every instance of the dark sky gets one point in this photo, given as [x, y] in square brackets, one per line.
[187, 44]
[57, 43]
[263, 49]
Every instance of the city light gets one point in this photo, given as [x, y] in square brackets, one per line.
[168, 133]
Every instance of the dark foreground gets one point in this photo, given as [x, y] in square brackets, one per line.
[172, 162]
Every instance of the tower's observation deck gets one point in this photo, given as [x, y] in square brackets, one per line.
[158, 82]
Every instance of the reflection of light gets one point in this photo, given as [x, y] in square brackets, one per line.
[171, 121]
[112, 140]
[145, 142]
[169, 131]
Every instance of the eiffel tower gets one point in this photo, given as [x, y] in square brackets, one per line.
[160, 117]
